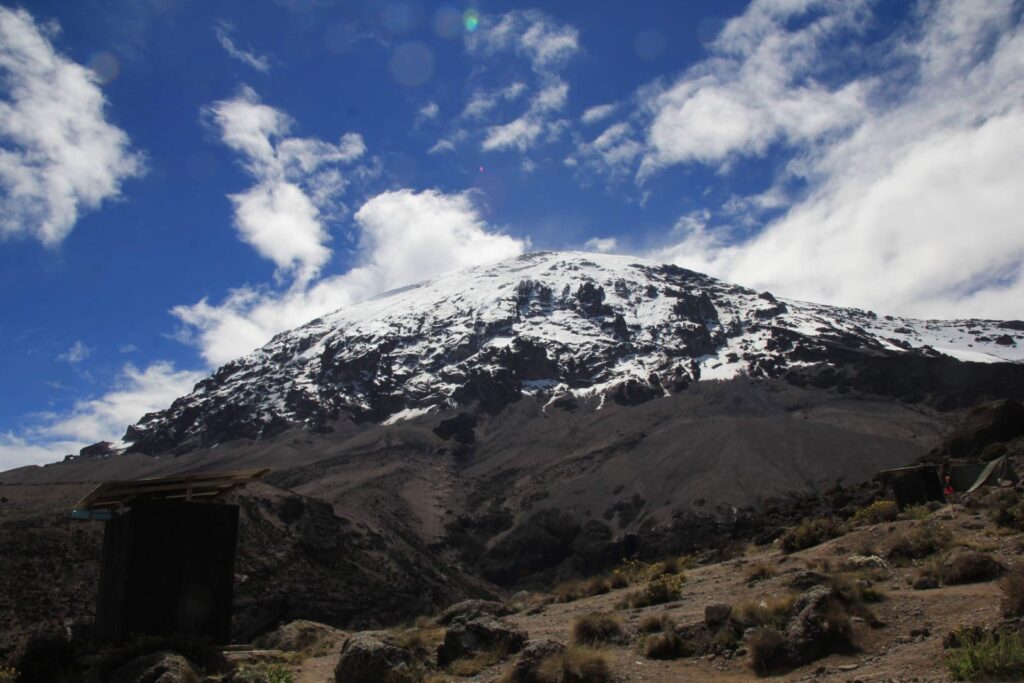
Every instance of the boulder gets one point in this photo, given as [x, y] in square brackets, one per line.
[367, 659]
[806, 579]
[716, 614]
[467, 610]
[158, 667]
[527, 664]
[925, 583]
[300, 636]
[818, 624]
[466, 638]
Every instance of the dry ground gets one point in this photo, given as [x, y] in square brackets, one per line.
[888, 653]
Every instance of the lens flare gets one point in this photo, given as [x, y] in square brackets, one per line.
[471, 20]
[105, 65]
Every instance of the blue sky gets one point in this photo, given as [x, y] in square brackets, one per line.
[181, 180]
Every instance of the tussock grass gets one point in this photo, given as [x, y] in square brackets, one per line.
[1012, 586]
[657, 592]
[596, 629]
[876, 513]
[987, 656]
[576, 665]
[769, 612]
[918, 542]
[759, 572]
[809, 533]
[264, 673]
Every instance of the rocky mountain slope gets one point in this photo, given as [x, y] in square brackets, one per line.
[562, 327]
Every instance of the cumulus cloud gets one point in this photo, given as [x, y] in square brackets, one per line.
[298, 183]
[406, 237]
[916, 209]
[59, 156]
[483, 102]
[76, 354]
[429, 111]
[135, 393]
[222, 31]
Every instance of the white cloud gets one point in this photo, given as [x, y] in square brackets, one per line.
[482, 102]
[429, 111]
[529, 33]
[135, 393]
[597, 113]
[547, 47]
[59, 157]
[405, 237]
[298, 182]
[519, 134]
[917, 210]
[602, 245]
[223, 31]
[442, 146]
[76, 354]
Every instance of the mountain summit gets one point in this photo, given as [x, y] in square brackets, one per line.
[563, 327]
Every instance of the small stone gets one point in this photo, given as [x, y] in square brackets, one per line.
[922, 631]
[847, 667]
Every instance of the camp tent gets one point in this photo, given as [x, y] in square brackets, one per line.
[914, 485]
[967, 478]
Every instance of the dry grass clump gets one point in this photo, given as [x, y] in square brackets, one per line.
[1012, 586]
[759, 572]
[263, 673]
[596, 629]
[918, 542]
[471, 666]
[809, 533]
[576, 665]
[421, 642]
[576, 589]
[767, 648]
[657, 592]
[876, 513]
[655, 623]
[770, 612]
[968, 566]
[666, 645]
[1006, 508]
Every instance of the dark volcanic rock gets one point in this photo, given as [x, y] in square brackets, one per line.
[467, 610]
[366, 659]
[986, 424]
[466, 638]
[159, 667]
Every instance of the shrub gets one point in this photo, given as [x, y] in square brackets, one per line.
[917, 512]
[664, 646]
[1012, 586]
[968, 566]
[595, 629]
[987, 656]
[655, 623]
[575, 665]
[421, 642]
[809, 533]
[471, 666]
[576, 589]
[657, 592]
[760, 572]
[767, 649]
[770, 612]
[263, 673]
[876, 513]
[918, 542]
[8, 675]
[1007, 509]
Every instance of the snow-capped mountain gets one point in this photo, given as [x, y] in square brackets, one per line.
[563, 327]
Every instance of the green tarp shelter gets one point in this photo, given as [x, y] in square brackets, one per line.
[967, 478]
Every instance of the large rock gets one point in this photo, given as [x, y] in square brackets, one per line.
[467, 610]
[466, 638]
[527, 665]
[716, 614]
[816, 625]
[300, 636]
[366, 659]
[159, 667]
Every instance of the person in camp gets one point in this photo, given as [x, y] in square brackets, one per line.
[948, 489]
